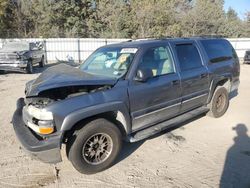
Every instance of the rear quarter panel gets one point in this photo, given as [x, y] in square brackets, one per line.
[228, 69]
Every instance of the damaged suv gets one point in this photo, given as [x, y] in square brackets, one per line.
[21, 56]
[123, 92]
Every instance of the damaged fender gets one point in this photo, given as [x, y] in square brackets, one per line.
[119, 107]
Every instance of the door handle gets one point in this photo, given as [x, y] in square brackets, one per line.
[175, 82]
[203, 75]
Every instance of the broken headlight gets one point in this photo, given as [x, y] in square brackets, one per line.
[40, 114]
[42, 120]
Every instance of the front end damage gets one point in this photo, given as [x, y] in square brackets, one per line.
[36, 126]
[12, 62]
[42, 148]
[39, 119]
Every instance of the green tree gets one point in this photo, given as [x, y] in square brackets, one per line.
[56, 18]
[3, 4]
[247, 26]
[154, 18]
[6, 18]
[205, 18]
[232, 26]
[71, 17]
[139, 19]
[116, 18]
[119, 18]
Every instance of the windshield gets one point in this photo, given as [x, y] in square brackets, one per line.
[109, 62]
[16, 46]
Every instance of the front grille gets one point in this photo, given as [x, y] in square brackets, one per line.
[8, 56]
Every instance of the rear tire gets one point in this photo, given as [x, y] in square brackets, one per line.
[219, 103]
[95, 147]
[29, 68]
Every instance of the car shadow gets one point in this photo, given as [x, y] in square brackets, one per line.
[236, 172]
[176, 126]
[129, 148]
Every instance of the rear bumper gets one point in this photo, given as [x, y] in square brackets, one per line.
[45, 150]
[235, 85]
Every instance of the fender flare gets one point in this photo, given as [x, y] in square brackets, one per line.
[81, 114]
[214, 83]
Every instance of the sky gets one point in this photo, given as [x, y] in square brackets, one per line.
[240, 6]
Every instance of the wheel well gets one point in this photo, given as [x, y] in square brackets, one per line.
[225, 83]
[110, 116]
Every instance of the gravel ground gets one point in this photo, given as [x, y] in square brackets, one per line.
[206, 152]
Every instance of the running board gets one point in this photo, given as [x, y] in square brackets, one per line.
[145, 133]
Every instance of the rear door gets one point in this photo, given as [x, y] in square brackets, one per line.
[159, 98]
[194, 75]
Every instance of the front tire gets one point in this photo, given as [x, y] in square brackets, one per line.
[42, 62]
[29, 68]
[95, 147]
[219, 103]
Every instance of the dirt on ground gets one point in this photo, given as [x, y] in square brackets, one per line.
[206, 152]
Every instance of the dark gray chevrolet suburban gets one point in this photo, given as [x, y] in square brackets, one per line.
[123, 92]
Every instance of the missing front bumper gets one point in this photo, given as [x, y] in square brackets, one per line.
[45, 150]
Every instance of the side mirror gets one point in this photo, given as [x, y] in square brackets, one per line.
[143, 75]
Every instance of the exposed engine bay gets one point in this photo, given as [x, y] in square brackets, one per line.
[49, 96]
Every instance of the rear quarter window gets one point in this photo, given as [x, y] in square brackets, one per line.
[219, 50]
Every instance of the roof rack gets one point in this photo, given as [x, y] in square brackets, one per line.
[184, 37]
[209, 36]
[140, 39]
[165, 37]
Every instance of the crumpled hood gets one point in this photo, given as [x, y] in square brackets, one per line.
[63, 75]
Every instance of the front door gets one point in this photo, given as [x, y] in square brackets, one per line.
[158, 98]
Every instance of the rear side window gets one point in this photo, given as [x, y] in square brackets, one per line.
[188, 56]
[218, 50]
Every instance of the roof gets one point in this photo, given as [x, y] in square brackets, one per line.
[145, 42]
